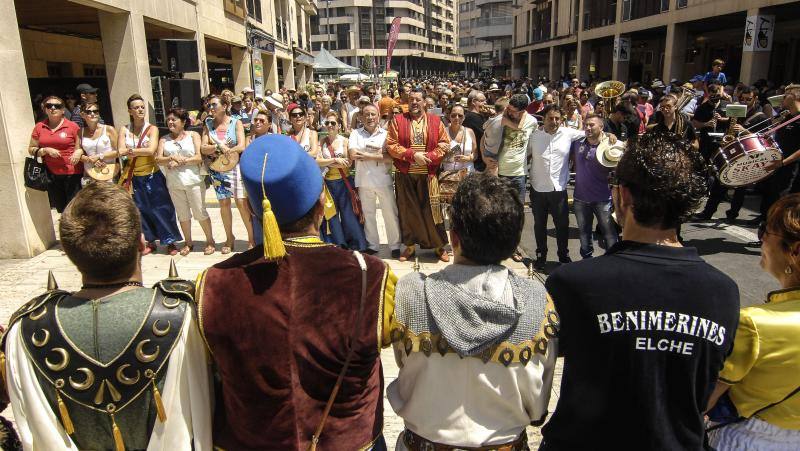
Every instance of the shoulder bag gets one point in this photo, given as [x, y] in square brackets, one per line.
[37, 176]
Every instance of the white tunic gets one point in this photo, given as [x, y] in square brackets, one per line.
[186, 397]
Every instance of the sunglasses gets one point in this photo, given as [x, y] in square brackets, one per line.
[762, 231]
[456, 115]
[297, 114]
[331, 123]
[92, 112]
[53, 106]
[212, 106]
[259, 120]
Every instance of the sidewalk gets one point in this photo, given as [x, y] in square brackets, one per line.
[21, 280]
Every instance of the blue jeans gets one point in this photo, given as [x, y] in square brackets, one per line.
[518, 181]
[583, 215]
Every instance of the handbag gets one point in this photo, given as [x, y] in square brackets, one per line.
[37, 176]
[355, 200]
[449, 179]
[126, 181]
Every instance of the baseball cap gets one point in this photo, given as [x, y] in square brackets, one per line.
[86, 88]
[236, 99]
[696, 78]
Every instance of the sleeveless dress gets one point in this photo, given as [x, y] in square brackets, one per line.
[344, 229]
[92, 147]
[449, 164]
[226, 184]
[151, 196]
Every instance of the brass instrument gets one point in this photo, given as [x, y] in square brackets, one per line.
[685, 95]
[610, 90]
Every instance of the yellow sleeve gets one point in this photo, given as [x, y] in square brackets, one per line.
[386, 319]
[745, 351]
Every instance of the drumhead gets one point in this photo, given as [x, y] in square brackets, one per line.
[748, 168]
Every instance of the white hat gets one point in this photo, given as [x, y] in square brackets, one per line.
[275, 100]
[247, 90]
[493, 87]
[609, 154]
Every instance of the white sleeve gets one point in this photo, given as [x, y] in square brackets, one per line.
[37, 424]
[186, 396]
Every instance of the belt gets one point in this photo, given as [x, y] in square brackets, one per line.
[416, 443]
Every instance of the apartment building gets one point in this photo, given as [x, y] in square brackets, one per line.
[639, 40]
[355, 31]
[484, 33]
[50, 46]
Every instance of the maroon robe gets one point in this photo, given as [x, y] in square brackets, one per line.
[278, 333]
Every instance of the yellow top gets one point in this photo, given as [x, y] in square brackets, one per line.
[765, 362]
[145, 166]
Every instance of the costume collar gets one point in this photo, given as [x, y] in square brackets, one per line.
[304, 241]
[786, 294]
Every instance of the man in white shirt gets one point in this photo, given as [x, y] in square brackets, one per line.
[374, 181]
[549, 174]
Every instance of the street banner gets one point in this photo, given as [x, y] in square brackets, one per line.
[758, 31]
[258, 73]
[392, 41]
[622, 49]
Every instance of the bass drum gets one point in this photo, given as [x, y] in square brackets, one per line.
[743, 161]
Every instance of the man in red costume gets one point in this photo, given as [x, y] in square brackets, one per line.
[287, 319]
[417, 141]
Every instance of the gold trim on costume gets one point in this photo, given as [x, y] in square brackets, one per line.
[144, 357]
[64, 360]
[87, 383]
[125, 380]
[305, 241]
[43, 341]
[200, 284]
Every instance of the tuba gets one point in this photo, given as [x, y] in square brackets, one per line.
[610, 90]
[684, 95]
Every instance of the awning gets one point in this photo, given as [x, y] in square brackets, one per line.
[304, 59]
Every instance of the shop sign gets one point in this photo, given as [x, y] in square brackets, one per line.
[258, 72]
[622, 49]
[758, 31]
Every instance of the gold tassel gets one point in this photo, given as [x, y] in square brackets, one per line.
[162, 414]
[119, 444]
[433, 195]
[273, 242]
[66, 421]
[330, 206]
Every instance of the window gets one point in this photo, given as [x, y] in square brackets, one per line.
[343, 36]
[235, 7]
[254, 9]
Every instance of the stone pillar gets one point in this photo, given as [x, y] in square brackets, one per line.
[755, 65]
[240, 60]
[583, 59]
[26, 225]
[675, 52]
[530, 65]
[270, 71]
[127, 65]
[288, 74]
[202, 75]
[619, 69]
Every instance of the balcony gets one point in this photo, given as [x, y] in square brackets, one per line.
[493, 27]
[479, 3]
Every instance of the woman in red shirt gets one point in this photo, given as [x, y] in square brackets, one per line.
[56, 140]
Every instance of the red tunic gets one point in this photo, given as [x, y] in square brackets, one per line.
[278, 333]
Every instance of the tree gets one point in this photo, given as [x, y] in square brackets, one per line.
[366, 65]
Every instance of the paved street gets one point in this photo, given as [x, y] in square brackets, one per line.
[720, 244]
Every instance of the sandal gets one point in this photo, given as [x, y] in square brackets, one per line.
[227, 248]
[149, 249]
[517, 257]
[186, 249]
[172, 249]
[210, 249]
[443, 255]
[407, 253]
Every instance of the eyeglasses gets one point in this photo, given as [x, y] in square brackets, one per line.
[456, 115]
[92, 112]
[297, 114]
[762, 231]
[331, 123]
[53, 106]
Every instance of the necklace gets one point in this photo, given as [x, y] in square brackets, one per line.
[130, 283]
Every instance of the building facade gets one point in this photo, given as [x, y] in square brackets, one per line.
[639, 40]
[50, 46]
[355, 31]
[485, 36]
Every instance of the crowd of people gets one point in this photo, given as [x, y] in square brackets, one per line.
[657, 352]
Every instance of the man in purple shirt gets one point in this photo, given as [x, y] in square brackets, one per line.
[592, 196]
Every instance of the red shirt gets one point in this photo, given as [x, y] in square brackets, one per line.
[534, 107]
[63, 139]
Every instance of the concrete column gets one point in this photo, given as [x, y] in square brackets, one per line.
[555, 64]
[674, 52]
[619, 69]
[755, 65]
[270, 71]
[583, 59]
[530, 64]
[26, 225]
[288, 74]
[240, 60]
[127, 65]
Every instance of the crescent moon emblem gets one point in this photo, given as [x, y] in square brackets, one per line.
[38, 313]
[161, 332]
[43, 341]
[140, 354]
[87, 382]
[125, 380]
[64, 360]
[168, 304]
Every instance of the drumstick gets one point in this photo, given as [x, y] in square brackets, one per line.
[780, 126]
